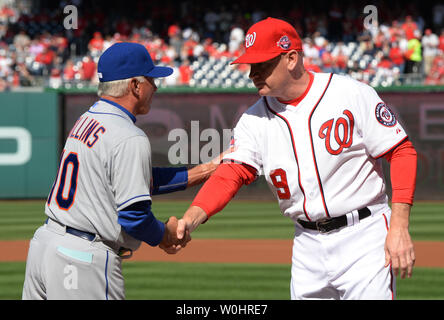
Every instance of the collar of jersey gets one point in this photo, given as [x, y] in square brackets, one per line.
[115, 104]
[296, 101]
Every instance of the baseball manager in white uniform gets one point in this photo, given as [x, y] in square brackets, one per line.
[99, 207]
[319, 140]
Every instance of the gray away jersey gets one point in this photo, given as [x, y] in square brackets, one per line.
[105, 166]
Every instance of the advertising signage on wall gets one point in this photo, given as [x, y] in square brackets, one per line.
[189, 128]
[184, 129]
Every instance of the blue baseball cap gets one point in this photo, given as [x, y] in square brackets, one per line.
[124, 60]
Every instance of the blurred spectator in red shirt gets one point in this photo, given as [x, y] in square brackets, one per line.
[187, 51]
[166, 59]
[441, 40]
[6, 13]
[95, 45]
[409, 27]
[156, 47]
[175, 39]
[185, 73]
[397, 56]
[55, 79]
[173, 30]
[69, 72]
[327, 61]
[209, 48]
[436, 75]
[88, 68]
[45, 57]
[385, 63]
[135, 37]
[379, 39]
[60, 42]
[341, 61]
[16, 79]
[222, 51]
[395, 30]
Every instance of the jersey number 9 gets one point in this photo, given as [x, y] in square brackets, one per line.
[279, 179]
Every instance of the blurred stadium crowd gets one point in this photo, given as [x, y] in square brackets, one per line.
[199, 39]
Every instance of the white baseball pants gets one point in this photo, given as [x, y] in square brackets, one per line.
[345, 264]
[63, 266]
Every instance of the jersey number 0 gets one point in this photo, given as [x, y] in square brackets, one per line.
[67, 180]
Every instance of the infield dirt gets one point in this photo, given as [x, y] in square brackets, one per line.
[428, 254]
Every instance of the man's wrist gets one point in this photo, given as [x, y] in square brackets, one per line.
[200, 173]
[400, 215]
[194, 216]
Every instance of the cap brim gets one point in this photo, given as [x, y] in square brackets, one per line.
[159, 72]
[255, 57]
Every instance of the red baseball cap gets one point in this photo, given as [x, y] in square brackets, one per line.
[267, 39]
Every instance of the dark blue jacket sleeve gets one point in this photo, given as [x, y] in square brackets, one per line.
[139, 222]
[166, 180]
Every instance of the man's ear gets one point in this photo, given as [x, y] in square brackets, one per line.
[294, 58]
[134, 87]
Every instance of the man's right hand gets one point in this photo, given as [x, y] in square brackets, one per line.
[170, 243]
[192, 218]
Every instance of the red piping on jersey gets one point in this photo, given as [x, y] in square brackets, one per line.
[294, 151]
[386, 223]
[296, 101]
[392, 148]
[312, 147]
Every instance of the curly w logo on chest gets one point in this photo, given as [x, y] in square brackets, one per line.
[342, 131]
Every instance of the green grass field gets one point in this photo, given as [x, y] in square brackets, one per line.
[193, 281]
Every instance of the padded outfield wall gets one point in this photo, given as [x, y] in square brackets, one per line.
[29, 143]
[188, 126]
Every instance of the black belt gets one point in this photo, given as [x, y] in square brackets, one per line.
[79, 233]
[122, 252]
[327, 225]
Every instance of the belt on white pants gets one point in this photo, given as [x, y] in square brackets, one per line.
[329, 224]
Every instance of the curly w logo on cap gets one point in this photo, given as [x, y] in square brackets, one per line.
[267, 39]
[249, 39]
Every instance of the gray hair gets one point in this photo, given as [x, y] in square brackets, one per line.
[116, 88]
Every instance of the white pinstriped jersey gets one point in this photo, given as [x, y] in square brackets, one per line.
[320, 158]
[105, 166]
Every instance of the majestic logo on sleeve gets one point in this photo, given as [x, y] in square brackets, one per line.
[384, 115]
[284, 43]
[343, 133]
[249, 39]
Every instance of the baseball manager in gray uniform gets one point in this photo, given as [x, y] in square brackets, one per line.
[99, 207]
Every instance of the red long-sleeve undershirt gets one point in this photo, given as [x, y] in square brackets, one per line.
[403, 163]
[230, 177]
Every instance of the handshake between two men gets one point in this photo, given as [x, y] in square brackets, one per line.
[171, 243]
[178, 232]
